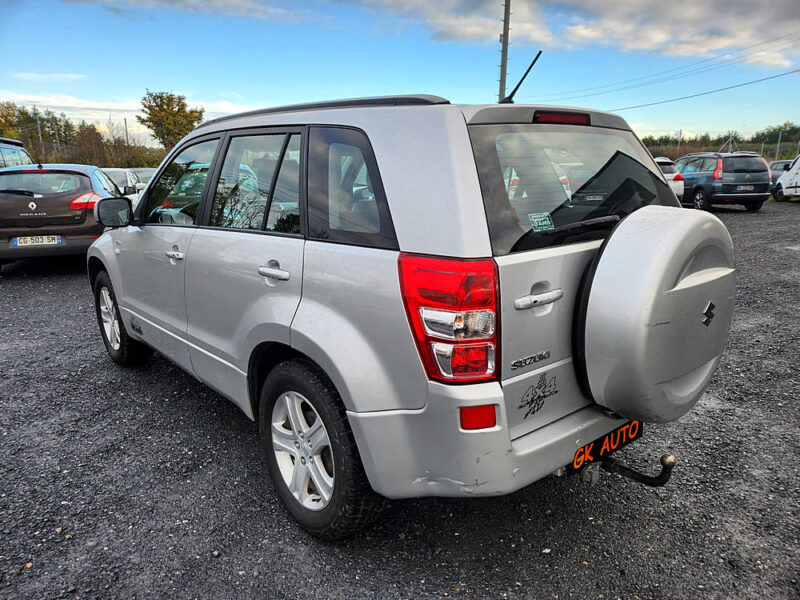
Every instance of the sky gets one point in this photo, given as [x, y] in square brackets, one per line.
[94, 59]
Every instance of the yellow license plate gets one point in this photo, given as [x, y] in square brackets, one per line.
[37, 240]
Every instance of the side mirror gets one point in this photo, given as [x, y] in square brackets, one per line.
[129, 190]
[113, 212]
[786, 167]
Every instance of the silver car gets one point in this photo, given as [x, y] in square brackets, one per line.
[409, 301]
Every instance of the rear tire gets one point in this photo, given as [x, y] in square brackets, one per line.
[329, 496]
[754, 206]
[779, 195]
[700, 200]
[121, 347]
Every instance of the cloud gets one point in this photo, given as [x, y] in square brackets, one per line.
[240, 8]
[677, 28]
[49, 76]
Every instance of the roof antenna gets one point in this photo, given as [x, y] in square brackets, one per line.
[510, 98]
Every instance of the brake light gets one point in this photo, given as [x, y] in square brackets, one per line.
[718, 171]
[452, 309]
[87, 200]
[567, 118]
[678, 177]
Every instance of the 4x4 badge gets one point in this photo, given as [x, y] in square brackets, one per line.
[708, 314]
[534, 397]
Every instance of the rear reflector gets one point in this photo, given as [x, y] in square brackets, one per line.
[478, 417]
[567, 118]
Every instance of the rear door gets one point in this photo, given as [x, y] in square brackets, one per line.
[543, 238]
[39, 198]
[244, 269]
[152, 255]
[745, 175]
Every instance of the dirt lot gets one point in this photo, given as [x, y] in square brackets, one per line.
[144, 484]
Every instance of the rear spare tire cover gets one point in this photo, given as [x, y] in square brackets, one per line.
[655, 311]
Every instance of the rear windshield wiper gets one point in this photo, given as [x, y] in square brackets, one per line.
[586, 223]
[18, 192]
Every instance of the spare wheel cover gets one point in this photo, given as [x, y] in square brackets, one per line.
[654, 313]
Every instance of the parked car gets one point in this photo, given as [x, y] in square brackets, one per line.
[357, 277]
[13, 153]
[725, 178]
[145, 173]
[48, 209]
[671, 174]
[776, 169]
[128, 181]
[788, 184]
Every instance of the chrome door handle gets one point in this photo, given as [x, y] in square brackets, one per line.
[273, 273]
[174, 254]
[526, 302]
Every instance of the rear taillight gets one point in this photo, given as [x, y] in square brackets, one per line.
[718, 171]
[678, 177]
[452, 308]
[87, 200]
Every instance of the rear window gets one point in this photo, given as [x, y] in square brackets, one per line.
[546, 185]
[667, 168]
[743, 164]
[44, 184]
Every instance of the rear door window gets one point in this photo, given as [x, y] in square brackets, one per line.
[175, 198]
[284, 207]
[743, 164]
[708, 164]
[528, 202]
[346, 201]
[693, 165]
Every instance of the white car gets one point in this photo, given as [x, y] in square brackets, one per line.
[672, 175]
[129, 183]
[788, 184]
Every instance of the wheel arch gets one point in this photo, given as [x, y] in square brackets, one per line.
[94, 266]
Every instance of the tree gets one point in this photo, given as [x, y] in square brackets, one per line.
[89, 145]
[168, 117]
[8, 120]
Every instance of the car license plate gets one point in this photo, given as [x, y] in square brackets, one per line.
[603, 446]
[37, 240]
[745, 188]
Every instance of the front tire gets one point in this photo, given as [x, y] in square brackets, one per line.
[700, 200]
[754, 206]
[311, 453]
[121, 347]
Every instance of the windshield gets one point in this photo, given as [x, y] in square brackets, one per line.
[119, 177]
[42, 184]
[545, 185]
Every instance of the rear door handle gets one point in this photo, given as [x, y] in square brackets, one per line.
[174, 254]
[273, 273]
[526, 302]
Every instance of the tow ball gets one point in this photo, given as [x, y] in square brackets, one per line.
[612, 465]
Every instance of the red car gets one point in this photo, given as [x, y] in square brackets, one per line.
[48, 209]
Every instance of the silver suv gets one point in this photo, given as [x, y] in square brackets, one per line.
[410, 299]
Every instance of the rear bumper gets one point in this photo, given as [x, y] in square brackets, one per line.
[746, 198]
[414, 453]
[68, 246]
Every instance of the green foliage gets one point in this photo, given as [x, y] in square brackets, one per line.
[168, 117]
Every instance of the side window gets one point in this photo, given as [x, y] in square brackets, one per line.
[240, 200]
[175, 198]
[11, 156]
[25, 157]
[679, 165]
[709, 164]
[346, 201]
[284, 210]
[693, 165]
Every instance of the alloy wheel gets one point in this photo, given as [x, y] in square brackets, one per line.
[302, 450]
[110, 318]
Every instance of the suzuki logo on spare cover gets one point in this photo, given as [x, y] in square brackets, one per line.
[708, 314]
[32, 205]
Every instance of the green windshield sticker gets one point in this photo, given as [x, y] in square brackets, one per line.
[541, 222]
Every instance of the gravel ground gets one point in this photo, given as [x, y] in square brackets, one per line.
[143, 483]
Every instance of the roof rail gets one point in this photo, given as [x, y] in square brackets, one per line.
[409, 100]
[12, 142]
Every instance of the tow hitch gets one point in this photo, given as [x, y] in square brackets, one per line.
[612, 465]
